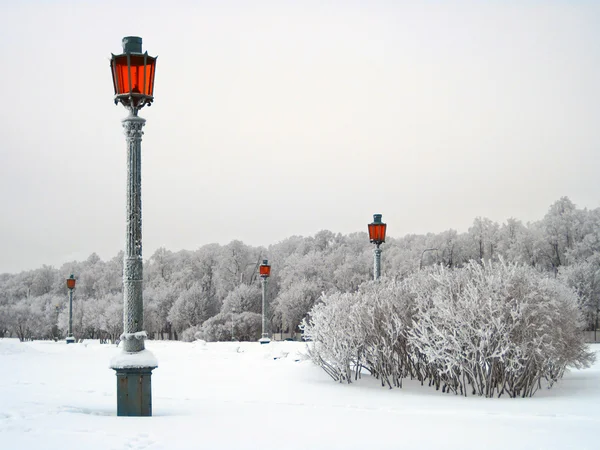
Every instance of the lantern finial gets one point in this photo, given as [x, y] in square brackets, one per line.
[132, 44]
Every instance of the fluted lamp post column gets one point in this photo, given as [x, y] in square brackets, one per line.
[133, 81]
[377, 237]
[70, 285]
[264, 272]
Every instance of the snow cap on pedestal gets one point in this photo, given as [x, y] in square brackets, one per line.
[133, 360]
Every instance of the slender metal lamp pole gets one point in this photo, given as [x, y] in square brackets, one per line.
[70, 335]
[265, 334]
[265, 272]
[70, 312]
[70, 286]
[133, 313]
[232, 322]
[377, 263]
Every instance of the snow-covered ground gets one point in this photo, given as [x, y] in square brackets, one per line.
[244, 395]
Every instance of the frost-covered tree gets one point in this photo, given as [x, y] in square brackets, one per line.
[5, 320]
[158, 302]
[244, 298]
[302, 269]
[561, 231]
[484, 236]
[158, 269]
[238, 263]
[294, 302]
[192, 308]
[30, 320]
[584, 277]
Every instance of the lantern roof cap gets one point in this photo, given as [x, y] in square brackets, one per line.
[265, 262]
[132, 44]
[377, 218]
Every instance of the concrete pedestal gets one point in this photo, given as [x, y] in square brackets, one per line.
[134, 391]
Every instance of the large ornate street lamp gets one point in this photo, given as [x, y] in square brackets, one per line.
[70, 285]
[377, 237]
[264, 271]
[133, 81]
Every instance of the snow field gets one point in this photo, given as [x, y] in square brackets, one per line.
[248, 396]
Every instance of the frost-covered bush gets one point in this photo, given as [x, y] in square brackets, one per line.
[367, 329]
[483, 329]
[337, 334]
[246, 326]
[190, 334]
[496, 328]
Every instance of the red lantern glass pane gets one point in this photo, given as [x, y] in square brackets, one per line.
[120, 74]
[377, 232]
[150, 70]
[265, 271]
[142, 74]
[71, 283]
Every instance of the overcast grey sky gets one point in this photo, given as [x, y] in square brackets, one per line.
[280, 118]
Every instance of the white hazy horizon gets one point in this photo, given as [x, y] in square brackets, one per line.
[282, 118]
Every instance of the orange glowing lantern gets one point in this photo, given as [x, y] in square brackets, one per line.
[133, 74]
[71, 282]
[265, 269]
[377, 230]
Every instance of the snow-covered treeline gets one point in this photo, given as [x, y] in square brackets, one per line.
[486, 329]
[188, 294]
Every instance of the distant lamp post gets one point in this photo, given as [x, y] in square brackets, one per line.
[70, 285]
[133, 81]
[56, 329]
[265, 273]
[377, 237]
[232, 322]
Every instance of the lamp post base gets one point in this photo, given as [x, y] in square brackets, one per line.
[70, 340]
[264, 340]
[134, 391]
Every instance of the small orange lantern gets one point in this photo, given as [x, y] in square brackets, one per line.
[133, 74]
[71, 282]
[377, 230]
[265, 269]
